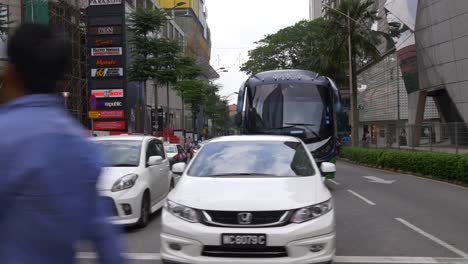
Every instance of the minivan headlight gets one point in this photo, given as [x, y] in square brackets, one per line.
[126, 182]
[311, 212]
[183, 212]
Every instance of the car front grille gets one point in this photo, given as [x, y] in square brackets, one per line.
[110, 205]
[258, 218]
[244, 252]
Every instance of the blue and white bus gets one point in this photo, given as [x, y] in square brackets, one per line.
[291, 102]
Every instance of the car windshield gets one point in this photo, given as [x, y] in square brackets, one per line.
[120, 153]
[258, 159]
[171, 149]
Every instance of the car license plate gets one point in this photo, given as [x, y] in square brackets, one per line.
[242, 240]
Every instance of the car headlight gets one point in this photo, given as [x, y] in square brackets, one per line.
[183, 212]
[126, 182]
[311, 212]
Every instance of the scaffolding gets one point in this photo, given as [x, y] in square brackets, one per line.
[69, 17]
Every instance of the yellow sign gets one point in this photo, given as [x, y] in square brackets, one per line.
[93, 114]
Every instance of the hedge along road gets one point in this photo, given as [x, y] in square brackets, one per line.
[382, 217]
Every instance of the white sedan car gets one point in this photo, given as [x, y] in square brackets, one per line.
[136, 179]
[250, 199]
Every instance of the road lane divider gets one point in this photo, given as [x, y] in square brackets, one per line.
[399, 260]
[130, 256]
[335, 182]
[433, 238]
[361, 197]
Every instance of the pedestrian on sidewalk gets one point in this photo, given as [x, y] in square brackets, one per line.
[49, 168]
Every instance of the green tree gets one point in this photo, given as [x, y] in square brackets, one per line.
[187, 72]
[144, 26]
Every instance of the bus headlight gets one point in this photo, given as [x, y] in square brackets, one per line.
[324, 150]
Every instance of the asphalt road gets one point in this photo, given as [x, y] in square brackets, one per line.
[382, 217]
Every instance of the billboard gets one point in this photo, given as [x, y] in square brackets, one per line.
[106, 72]
[108, 51]
[108, 93]
[107, 62]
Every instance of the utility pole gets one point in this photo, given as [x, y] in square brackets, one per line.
[354, 110]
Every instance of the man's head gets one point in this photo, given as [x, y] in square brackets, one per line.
[37, 59]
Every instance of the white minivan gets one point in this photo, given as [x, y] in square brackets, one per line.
[250, 199]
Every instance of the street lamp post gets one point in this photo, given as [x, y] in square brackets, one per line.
[353, 91]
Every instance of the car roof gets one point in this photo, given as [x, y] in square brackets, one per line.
[125, 137]
[250, 138]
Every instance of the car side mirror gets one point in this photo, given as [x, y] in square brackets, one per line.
[179, 168]
[155, 160]
[327, 168]
[238, 119]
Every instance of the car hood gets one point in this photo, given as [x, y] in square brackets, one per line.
[109, 175]
[249, 194]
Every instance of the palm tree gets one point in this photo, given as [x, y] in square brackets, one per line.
[361, 15]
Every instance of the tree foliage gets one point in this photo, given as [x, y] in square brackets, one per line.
[320, 45]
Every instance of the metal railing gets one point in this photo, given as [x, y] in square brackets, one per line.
[434, 137]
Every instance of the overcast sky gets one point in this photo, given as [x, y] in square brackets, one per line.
[237, 24]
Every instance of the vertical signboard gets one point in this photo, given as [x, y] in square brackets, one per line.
[107, 64]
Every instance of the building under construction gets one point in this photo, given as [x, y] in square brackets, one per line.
[67, 17]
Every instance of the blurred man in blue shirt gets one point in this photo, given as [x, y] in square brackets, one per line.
[49, 170]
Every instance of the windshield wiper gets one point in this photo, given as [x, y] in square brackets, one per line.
[123, 165]
[283, 127]
[239, 174]
[300, 124]
[307, 126]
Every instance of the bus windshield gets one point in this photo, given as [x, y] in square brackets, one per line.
[282, 106]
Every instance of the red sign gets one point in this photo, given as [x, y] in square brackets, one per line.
[108, 93]
[111, 114]
[114, 125]
[106, 62]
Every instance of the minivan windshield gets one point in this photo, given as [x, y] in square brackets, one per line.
[252, 159]
[120, 153]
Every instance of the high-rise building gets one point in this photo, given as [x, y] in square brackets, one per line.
[420, 80]
[315, 9]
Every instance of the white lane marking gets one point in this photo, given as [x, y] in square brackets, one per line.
[361, 197]
[338, 259]
[131, 256]
[374, 179]
[433, 238]
[335, 182]
[400, 260]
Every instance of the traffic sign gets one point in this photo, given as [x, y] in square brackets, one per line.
[92, 102]
[93, 114]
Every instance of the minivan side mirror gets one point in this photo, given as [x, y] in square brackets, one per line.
[327, 168]
[179, 168]
[155, 160]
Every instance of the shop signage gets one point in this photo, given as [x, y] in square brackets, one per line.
[108, 93]
[109, 51]
[107, 72]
